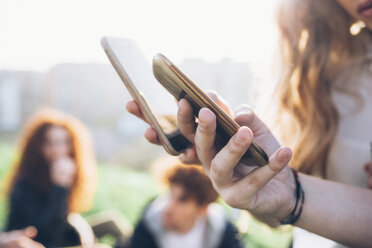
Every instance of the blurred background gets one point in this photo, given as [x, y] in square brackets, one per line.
[51, 56]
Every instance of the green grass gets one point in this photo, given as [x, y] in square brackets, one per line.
[6, 158]
[129, 191]
[125, 190]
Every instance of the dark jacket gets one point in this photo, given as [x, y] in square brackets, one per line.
[149, 228]
[48, 213]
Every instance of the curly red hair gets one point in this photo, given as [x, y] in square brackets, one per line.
[192, 179]
[31, 164]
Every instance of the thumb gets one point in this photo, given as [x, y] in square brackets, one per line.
[220, 101]
[245, 116]
[262, 175]
[30, 232]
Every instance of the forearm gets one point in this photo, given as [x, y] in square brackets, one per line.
[339, 212]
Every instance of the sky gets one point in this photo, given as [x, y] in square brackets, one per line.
[37, 34]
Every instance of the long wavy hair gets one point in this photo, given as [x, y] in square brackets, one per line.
[316, 46]
[33, 167]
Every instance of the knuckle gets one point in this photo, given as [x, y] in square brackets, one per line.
[187, 160]
[234, 148]
[215, 167]
[205, 128]
[207, 172]
[253, 181]
[231, 200]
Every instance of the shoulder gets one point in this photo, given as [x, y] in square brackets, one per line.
[230, 230]
[141, 229]
[149, 227]
[142, 237]
[152, 216]
[231, 237]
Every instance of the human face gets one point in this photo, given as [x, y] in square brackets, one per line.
[181, 212]
[359, 9]
[57, 144]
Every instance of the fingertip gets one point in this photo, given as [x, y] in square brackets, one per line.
[243, 109]
[131, 106]
[190, 154]
[246, 130]
[206, 116]
[213, 95]
[151, 136]
[284, 155]
[30, 231]
[183, 103]
[280, 159]
[244, 135]
[244, 115]
[184, 108]
[188, 157]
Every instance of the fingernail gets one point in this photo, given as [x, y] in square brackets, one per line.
[243, 110]
[202, 123]
[240, 138]
[243, 113]
[282, 155]
[213, 94]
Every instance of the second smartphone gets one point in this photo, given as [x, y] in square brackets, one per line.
[180, 86]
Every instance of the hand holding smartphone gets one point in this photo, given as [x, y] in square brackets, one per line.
[125, 57]
[180, 86]
[136, 74]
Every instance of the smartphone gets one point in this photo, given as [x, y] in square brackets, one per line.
[136, 74]
[180, 86]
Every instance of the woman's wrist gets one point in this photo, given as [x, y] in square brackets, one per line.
[292, 203]
[300, 199]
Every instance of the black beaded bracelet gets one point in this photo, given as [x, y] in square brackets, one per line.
[300, 195]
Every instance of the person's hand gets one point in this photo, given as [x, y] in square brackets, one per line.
[188, 125]
[239, 185]
[368, 170]
[63, 172]
[265, 191]
[20, 239]
[188, 156]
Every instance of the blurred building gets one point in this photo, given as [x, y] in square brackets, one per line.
[21, 92]
[94, 93]
[233, 81]
[91, 92]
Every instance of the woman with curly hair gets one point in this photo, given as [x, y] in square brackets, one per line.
[323, 101]
[322, 109]
[54, 176]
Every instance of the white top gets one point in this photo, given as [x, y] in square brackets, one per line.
[351, 148]
[207, 232]
[193, 238]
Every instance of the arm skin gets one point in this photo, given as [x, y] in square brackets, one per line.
[20, 239]
[335, 211]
